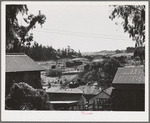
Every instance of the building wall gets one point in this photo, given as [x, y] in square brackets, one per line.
[82, 100]
[32, 78]
[67, 97]
[128, 99]
[101, 95]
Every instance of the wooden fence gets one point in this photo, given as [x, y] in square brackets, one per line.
[99, 104]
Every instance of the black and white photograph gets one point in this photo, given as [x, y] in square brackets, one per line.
[74, 61]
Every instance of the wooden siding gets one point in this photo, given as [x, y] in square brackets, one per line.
[101, 95]
[68, 97]
[128, 99]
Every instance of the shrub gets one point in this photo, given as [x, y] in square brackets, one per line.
[24, 97]
[54, 73]
[81, 81]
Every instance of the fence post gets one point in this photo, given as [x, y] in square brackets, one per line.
[94, 105]
[86, 106]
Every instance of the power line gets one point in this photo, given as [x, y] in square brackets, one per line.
[80, 32]
[81, 35]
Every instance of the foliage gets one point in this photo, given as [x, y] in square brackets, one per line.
[68, 53]
[102, 72]
[18, 35]
[130, 49]
[81, 81]
[118, 51]
[134, 21]
[64, 85]
[140, 52]
[121, 59]
[18, 38]
[41, 53]
[24, 97]
[90, 58]
[54, 73]
[38, 52]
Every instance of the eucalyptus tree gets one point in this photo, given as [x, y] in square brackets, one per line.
[18, 35]
[133, 23]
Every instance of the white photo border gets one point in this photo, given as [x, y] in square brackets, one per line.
[90, 116]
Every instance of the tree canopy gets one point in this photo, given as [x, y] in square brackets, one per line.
[18, 35]
[133, 21]
[101, 72]
[38, 52]
[24, 97]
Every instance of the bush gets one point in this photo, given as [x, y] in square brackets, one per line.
[54, 73]
[81, 81]
[25, 97]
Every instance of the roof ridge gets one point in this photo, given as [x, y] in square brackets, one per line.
[15, 54]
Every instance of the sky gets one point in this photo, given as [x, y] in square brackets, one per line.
[83, 26]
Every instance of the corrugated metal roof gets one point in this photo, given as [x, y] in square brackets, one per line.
[67, 90]
[129, 75]
[21, 62]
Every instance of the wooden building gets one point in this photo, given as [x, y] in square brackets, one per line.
[97, 99]
[129, 89]
[66, 99]
[21, 68]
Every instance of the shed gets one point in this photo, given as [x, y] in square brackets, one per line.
[21, 68]
[66, 98]
[94, 96]
[89, 91]
[129, 89]
[102, 101]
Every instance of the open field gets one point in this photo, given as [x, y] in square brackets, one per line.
[122, 54]
[104, 52]
[72, 71]
[55, 81]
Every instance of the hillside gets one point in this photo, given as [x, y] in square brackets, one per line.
[103, 52]
[122, 54]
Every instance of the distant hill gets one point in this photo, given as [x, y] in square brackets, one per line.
[106, 51]
[122, 54]
[103, 52]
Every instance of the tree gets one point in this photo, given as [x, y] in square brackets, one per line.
[140, 52]
[133, 21]
[24, 97]
[18, 35]
[102, 72]
[130, 49]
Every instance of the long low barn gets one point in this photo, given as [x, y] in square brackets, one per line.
[66, 99]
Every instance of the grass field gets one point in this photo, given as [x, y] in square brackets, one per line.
[122, 54]
[55, 81]
[98, 53]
